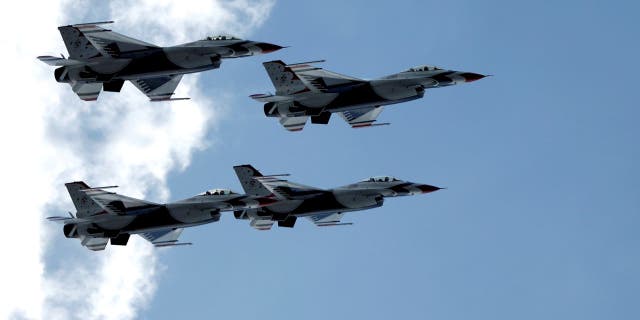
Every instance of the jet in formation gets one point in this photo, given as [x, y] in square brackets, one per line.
[305, 91]
[324, 207]
[100, 59]
[103, 216]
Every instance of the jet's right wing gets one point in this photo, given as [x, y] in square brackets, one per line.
[159, 88]
[363, 117]
[164, 237]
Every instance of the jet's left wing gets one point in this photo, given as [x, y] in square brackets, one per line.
[363, 117]
[110, 43]
[164, 237]
[117, 204]
[288, 190]
[159, 88]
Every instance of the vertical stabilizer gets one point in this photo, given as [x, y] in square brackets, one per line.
[246, 174]
[77, 44]
[284, 79]
[84, 205]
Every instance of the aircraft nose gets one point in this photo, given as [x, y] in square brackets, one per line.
[266, 47]
[425, 188]
[470, 76]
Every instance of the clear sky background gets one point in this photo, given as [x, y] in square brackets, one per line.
[539, 219]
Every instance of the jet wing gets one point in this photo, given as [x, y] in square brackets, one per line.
[110, 43]
[116, 204]
[363, 117]
[164, 237]
[287, 190]
[304, 77]
[87, 91]
[328, 219]
[320, 80]
[159, 88]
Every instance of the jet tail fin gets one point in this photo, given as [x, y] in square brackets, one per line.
[84, 205]
[78, 46]
[283, 78]
[246, 174]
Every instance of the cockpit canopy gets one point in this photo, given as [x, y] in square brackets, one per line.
[221, 37]
[380, 179]
[423, 68]
[217, 192]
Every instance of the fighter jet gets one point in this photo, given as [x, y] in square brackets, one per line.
[304, 90]
[324, 207]
[104, 216]
[103, 59]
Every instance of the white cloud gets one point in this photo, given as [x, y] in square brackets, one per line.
[50, 137]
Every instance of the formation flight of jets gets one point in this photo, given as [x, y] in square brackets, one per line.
[103, 216]
[102, 60]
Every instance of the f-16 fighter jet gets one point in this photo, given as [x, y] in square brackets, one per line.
[304, 90]
[324, 207]
[104, 216]
[103, 59]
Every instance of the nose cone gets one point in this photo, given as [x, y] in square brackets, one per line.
[470, 76]
[266, 47]
[425, 188]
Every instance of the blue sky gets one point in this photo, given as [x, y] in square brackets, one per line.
[541, 213]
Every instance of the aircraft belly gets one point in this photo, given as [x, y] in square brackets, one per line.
[316, 100]
[154, 65]
[188, 59]
[358, 97]
[118, 222]
[393, 91]
[358, 199]
[110, 67]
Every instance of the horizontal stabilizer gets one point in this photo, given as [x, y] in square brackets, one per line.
[172, 244]
[91, 24]
[167, 99]
[58, 61]
[334, 224]
[293, 65]
[270, 98]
